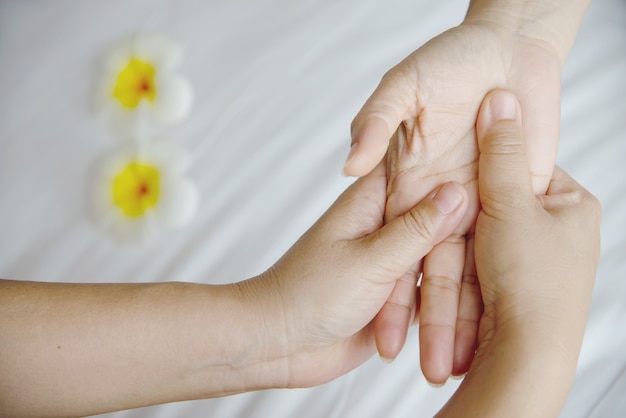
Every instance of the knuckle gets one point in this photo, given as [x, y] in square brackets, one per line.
[471, 279]
[402, 300]
[420, 224]
[576, 197]
[506, 139]
[587, 203]
[441, 284]
[439, 324]
[509, 203]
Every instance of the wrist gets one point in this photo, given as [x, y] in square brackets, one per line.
[550, 24]
[261, 359]
[510, 369]
[544, 324]
[536, 338]
[233, 346]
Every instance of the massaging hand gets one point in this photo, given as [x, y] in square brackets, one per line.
[536, 259]
[536, 256]
[305, 321]
[309, 318]
[427, 104]
[320, 298]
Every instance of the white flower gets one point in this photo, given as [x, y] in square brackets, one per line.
[141, 189]
[139, 89]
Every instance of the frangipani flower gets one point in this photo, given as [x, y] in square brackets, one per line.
[141, 189]
[139, 88]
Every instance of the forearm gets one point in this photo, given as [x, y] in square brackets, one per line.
[515, 376]
[551, 22]
[81, 349]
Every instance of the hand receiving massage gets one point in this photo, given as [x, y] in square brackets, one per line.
[427, 105]
[75, 349]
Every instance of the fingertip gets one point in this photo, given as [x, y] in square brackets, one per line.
[449, 205]
[449, 197]
[386, 360]
[503, 105]
[540, 183]
[504, 178]
[358, 163]
[369, 145]
[391, 327]
[348, 170]
[462, 361]
[498, 105]
[435, 385]
[435, 359]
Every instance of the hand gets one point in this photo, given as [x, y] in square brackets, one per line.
[430, 100]
[303, 322]
[319, 299]
[536, 257]
[536, 260]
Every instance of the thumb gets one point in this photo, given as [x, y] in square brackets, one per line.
[408, 238]
[504, 179]
[376, 122]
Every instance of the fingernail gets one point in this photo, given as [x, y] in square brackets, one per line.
[503, 105]
[459, 377]
[448, 198]
[435, 385]
[386, 360]
[353, 148]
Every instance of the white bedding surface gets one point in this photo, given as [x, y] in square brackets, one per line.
[277, 84]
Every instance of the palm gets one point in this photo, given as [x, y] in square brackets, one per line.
[441, 86]
[451, 75]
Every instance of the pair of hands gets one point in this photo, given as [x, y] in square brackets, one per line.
[433, 96]
[534, 256]
[428, 105]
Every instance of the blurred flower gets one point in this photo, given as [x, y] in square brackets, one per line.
[139, 88]
[141, 189]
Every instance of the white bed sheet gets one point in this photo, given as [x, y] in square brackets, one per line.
[277, 84]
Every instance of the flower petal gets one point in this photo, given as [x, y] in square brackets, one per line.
[178, 203]
[159, 50]
[117, 57]
[173, 94]
[174, 99]
[177, 200]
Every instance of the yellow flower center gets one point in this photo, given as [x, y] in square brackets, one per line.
[136, 189]
[134, 83]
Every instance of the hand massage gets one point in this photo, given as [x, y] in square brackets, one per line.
[454, 229]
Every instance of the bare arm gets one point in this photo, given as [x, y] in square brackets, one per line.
[71, 349]
[552, 23]
[80, 349]
[518, 374]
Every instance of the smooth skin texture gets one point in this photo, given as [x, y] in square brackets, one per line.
[422, 116]
[536, 259]
[72, 349]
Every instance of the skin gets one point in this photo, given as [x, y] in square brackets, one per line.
[536, 259]
[75, 350]
[422, 117]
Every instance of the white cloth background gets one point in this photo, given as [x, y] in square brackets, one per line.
[277, 84]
